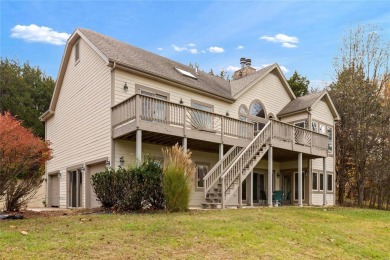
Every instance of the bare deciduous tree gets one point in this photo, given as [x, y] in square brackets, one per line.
[362, 74]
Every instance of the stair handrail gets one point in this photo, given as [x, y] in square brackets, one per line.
[208, 184]
[240, 157]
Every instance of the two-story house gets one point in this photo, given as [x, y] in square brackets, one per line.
[250, 137]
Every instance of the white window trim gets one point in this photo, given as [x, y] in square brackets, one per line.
[327, 129]
[327, 188]
[318, 186]
[196, 175]
[298, 122]
[319, 181]
[317, 126]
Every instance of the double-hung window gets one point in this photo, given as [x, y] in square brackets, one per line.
[153, 104]
[201, 171]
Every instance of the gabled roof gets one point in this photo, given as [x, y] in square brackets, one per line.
[151, 63]
[307, 102]
[126, 56]
[239, 86]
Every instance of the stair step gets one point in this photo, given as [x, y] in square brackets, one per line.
[212, 205]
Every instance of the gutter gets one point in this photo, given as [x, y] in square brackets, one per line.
[49, 113]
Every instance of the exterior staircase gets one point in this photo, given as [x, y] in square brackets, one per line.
[224, 179]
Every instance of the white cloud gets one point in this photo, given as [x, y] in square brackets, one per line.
[160, 49]
[285, 40]
[203, 51]
[188, 47]
[288, 45]
[216, 49]
[239, 47]
[231, 68]
[35, 33]
[178, 49]
[283, 68]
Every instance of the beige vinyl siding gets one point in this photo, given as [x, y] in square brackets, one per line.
[303, 116]
[80, 128]
[317, 199]
[322, 113]
[269, 90]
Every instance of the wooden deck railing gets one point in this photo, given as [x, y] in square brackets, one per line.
[296, 135]
[215, 173]
[140, 107]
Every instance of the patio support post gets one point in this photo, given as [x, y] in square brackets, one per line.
[269, 189]
[249, 189]
[138, 147]
[300, 180]
[324, 180]
[220, 151]
[184, 144]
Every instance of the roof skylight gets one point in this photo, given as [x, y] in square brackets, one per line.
[186, 73]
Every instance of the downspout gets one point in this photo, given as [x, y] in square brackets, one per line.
[112, 157]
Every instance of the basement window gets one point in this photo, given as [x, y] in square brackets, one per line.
[186, 73]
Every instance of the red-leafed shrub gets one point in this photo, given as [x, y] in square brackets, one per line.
[22, 161]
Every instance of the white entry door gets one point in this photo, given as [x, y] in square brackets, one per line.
[54, 191]
[93, 169]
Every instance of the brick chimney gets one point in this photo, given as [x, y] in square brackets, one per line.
[246, 69]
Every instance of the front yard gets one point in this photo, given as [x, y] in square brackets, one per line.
[286, 232]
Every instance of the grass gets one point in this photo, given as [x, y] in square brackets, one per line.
[285, 232]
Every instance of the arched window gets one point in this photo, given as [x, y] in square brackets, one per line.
[257, 114]
[257, 109]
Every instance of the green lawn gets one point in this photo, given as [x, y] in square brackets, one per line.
[285, 232]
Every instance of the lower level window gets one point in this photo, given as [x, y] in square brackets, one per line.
[321, 181]
[201, 172]
[315, 181]
[329, 184]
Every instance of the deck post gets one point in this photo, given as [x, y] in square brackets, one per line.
[300, 180]
[269, 189]
[221, 156]
[138, 146]
[220, 151]
[184, 144]
[249, 189]
[137, 110]
[324, 180]
[223, 194]
[240, 191]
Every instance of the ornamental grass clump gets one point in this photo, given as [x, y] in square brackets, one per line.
[177, 180]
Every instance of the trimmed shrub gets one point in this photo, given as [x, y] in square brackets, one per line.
[153, 180]
[105, 185]
[177, 180]
[131, 189]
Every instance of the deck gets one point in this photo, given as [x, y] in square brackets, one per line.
[174, 121]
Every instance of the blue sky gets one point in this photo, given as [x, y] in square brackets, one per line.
[298, 35]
